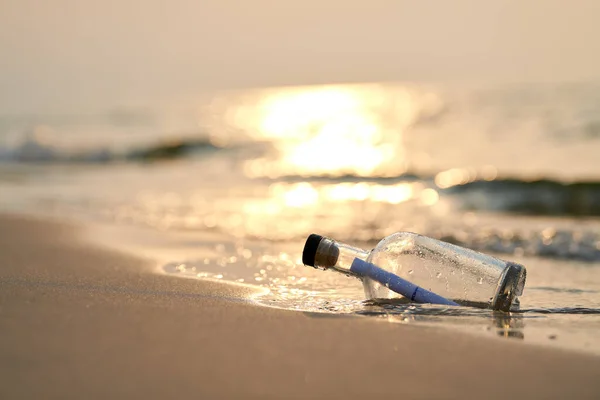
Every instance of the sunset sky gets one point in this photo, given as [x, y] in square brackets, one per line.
[78, 51]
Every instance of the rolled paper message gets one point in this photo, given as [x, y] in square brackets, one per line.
[395, 283]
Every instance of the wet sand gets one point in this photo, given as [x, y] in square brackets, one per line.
[81, 321]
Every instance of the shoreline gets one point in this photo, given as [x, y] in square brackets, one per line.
[79, 320]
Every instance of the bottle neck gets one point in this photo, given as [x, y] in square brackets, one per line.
[338, 256]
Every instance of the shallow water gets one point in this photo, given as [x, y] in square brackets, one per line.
[554, 310]
[511, 171]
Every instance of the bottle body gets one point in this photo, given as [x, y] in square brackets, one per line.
[452, 272]
[448, 270]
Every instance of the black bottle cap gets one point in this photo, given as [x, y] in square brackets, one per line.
[310, 249]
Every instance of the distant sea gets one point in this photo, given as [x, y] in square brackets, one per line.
[240, 178]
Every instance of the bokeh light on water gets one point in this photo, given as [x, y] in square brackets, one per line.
[338, 130]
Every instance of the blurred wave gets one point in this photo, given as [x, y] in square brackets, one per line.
[569, 244]
[531, 197]
[36, 151]
[544, 196]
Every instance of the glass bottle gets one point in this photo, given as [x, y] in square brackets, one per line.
[455, 273]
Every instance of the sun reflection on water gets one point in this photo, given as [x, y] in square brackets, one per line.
[330, 130]
[287, 210]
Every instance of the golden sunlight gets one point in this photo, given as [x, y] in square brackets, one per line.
[331, 130]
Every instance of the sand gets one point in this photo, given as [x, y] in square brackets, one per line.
[83, 322]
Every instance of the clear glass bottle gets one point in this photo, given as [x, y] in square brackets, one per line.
[452, 272]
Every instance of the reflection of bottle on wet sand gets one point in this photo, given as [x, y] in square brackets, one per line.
[422, 269]
[509, 326]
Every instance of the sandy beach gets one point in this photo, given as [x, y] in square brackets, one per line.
[80, 321]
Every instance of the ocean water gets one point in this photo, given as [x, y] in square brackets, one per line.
[228, 185]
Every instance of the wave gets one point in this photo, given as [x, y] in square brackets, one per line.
[537, 197]
[36, 151]
[512, 195]
[549, 243]
[531, 197]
